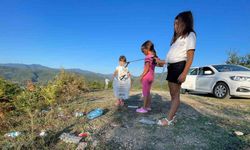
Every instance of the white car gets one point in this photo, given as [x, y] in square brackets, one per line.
[220, 80]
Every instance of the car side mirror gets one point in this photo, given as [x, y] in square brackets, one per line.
[208, 72]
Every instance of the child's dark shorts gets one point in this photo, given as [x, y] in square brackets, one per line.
[175, 70]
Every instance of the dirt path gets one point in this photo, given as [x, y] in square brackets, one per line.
[193, 130]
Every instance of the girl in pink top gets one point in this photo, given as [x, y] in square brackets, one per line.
[147, 76]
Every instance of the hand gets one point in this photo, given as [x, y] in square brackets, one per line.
[157, 60]
[182, 78]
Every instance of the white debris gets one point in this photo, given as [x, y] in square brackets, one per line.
[238, 133]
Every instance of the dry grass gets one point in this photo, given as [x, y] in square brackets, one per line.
[202, 123]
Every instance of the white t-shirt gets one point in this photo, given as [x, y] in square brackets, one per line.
[178, 50]
[122, 72]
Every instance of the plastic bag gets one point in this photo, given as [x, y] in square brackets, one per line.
[121, 88]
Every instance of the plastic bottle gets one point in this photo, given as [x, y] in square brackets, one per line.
[13, 134]
[79, 114]
[95, 113]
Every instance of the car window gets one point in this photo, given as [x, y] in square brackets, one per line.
[206, 71]
[229, 68]
[194, 71]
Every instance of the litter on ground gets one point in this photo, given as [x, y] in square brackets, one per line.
[82, 146]
[147, 121]
[84, 134]
[95, 113]
[69, 138]
[13, 134]
[43, 133]
[135, 107]
[238, 133]
[79, 114]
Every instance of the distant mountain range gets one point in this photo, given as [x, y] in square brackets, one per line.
[20, 73]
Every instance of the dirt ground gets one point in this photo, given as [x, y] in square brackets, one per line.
[203, 122]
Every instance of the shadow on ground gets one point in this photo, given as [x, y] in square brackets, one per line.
[206, 95]
[191, 131]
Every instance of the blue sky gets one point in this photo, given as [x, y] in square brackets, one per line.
[92, 34]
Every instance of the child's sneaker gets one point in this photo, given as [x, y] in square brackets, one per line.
[141, 110]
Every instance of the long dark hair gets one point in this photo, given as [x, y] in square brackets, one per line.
[185, 25]
[150, 46]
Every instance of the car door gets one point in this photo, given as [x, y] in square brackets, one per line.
[205, 79]
[190, 83]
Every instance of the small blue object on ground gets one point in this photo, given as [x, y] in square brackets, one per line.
[13, 134]
[95, 113]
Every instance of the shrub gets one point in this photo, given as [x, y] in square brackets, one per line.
[8, 90]
[30, 102]
[95, 85]
[64, 88]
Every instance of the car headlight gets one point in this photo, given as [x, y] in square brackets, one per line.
[240, 78]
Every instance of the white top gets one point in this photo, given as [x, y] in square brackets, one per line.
[122, 72]
[178, 50]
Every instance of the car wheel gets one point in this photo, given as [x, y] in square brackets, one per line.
[183, 91]
[221, 90]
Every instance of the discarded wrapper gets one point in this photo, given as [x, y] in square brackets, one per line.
[130, 106]
[238, 133]
[43, 133]
[85, 134]
[69, 138]
[147, 121]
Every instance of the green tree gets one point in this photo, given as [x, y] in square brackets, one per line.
[30, 102]
[8, 90]
[235, 58]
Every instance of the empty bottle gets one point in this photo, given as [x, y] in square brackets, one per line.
[79, 114]
[95, 113]
[13, 134]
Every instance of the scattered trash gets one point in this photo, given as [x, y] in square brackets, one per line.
[79, 114]
[61, 114]
[238, 133]
[130, 106]
[114, 125]
[13, 134]
[95, 113]
[44, 111]
[69, 138]
[43, 133]
[82, 146]
[84, 135]
[147, 121]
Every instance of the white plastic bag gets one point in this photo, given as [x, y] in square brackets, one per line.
[121, 88]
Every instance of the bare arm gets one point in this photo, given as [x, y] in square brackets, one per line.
[190, 57]
[146, 70]
[115, 74]
[160, 63]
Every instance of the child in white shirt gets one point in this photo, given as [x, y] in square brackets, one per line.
[121, 73]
